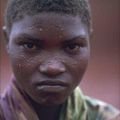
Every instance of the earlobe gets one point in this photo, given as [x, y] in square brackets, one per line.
[7, 48]
[5, 32]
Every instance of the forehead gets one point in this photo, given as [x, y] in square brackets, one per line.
[51, 24]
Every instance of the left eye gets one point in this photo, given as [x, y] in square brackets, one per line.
[72, 48]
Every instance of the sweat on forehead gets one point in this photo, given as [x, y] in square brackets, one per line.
[17, 9]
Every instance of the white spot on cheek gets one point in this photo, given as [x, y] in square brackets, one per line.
[40, 29]
[31, 28]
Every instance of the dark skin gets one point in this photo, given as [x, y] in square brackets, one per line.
[49, 54]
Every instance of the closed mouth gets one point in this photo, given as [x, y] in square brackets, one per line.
[52, 83]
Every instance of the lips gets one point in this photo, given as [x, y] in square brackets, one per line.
[51, 86]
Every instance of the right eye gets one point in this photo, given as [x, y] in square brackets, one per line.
[30, 46]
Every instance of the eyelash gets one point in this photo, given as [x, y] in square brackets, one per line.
[30, 46]
[73, 48]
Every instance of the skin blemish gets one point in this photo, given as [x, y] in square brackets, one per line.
[40, 29]
[31, 28]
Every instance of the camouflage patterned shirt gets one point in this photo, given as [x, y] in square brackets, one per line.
[13, 106]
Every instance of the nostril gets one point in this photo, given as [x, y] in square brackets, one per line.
[52, 70]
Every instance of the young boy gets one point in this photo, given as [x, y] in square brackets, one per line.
[48, 45]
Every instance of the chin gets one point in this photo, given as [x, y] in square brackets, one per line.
[51, 100]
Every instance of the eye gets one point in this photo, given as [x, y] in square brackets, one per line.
[72, 48]
[30, 46]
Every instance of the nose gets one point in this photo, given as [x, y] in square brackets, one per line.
[52, 68]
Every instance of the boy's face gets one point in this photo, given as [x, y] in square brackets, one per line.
[49, 55]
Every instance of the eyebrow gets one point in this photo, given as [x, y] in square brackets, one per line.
[28, 37]
[79, 38]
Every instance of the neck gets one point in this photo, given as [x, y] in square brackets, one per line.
[46, 112]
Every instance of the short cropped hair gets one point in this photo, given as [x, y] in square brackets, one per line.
[17, 9]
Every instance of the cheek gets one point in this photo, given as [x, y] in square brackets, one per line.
[22, 66]
[77, 68]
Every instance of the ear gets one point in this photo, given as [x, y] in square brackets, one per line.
[5, 33]
[6, 38]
